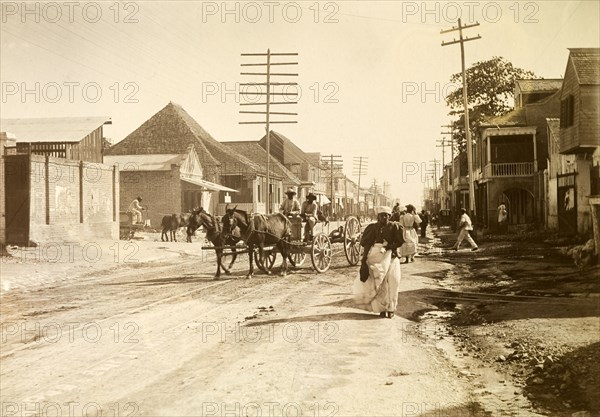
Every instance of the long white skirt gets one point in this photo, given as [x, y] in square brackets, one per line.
[380, 291]
[409, 247]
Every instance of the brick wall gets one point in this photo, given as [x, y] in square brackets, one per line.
[72, 201]
[160, 191]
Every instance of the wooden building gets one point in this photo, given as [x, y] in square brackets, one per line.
[509, 162]
[71, 138]
[165, 140]
[580, 136]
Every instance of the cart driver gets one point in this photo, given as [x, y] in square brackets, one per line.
[290, 206]
[309, 213]
[136, 209]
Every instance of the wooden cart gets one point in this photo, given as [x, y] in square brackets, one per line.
[320, 248]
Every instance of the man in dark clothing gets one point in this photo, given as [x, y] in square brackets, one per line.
[424, 222]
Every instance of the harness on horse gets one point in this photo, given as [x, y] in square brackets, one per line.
[251, 230]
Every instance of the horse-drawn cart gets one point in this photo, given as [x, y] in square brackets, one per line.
[320, 248]
[127, 227]
[263, 244]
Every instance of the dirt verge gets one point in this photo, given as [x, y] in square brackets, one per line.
[524, 309]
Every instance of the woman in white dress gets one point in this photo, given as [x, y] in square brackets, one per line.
[410, 221]
[376, 286]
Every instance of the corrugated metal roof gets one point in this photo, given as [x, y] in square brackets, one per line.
[152, 162]
[52, 129]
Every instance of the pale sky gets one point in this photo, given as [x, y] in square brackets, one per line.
[372, 73]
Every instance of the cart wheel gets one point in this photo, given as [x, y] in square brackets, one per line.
[352, 240]
[298, 258]
[265, 263]
[321, 252]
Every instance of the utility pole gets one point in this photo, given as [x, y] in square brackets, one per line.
[334, 161]
[451, 183]
[269, 87]
[462, 41]
[375, 188]
[435, 163]
[442, 143]
[386, 189]
[360, 168]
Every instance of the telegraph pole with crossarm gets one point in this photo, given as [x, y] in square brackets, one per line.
[462, 41]
[267, 89]
[360, 169]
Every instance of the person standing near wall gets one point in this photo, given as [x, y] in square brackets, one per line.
[502, 218]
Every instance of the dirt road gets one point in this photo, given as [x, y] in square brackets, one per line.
[162, 338]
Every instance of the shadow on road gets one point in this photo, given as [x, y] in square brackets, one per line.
[319, 318]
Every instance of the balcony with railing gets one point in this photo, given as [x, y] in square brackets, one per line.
[509, 169]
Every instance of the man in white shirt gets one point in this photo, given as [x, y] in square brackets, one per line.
[464, 227]
[136, 209]
[290, 206]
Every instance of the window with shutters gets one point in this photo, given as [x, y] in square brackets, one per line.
[567, 112]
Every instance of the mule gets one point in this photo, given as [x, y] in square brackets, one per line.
[214, 233]
[260, 230]
[170, 225]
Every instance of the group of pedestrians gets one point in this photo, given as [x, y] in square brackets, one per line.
[385, 243]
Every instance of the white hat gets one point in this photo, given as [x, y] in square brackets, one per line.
[290, 190]
[384, 209]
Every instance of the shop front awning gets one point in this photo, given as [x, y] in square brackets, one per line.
[325, 200]
[209, 185]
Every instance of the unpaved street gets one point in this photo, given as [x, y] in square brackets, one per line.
[163, 338]
[151, 333]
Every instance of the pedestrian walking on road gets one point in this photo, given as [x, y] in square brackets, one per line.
[376, 287]
[464, 227]
[395, 213]
[424, 222]
[410, 221]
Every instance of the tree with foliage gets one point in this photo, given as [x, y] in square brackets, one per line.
[490, 93]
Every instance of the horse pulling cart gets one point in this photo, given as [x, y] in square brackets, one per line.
[267, 235]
